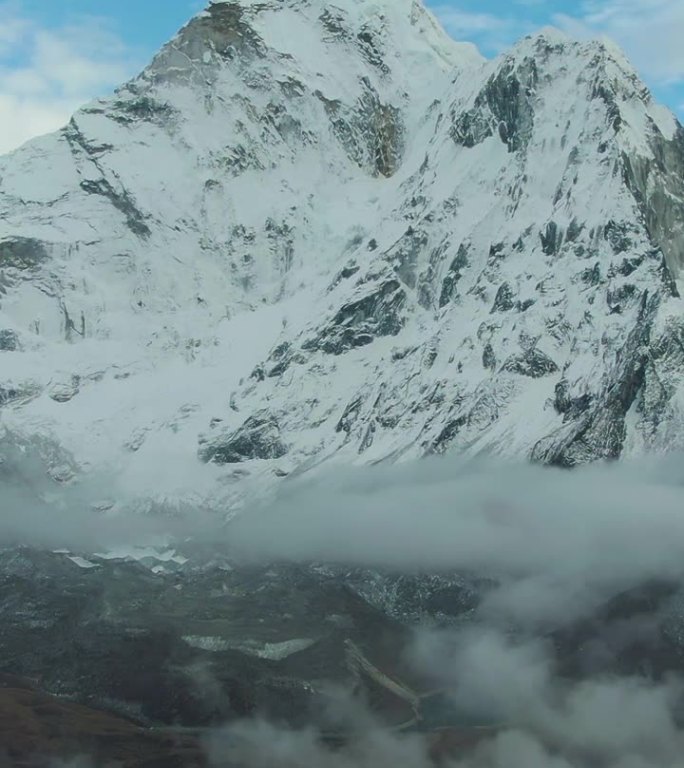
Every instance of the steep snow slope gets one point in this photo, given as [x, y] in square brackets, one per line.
[315, 231]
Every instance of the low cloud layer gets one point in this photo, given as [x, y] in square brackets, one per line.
[536, 719]
[555, 545]
[556, 540]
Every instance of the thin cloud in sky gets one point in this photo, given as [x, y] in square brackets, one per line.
[650, 31]
[490, 31]
[46, 74]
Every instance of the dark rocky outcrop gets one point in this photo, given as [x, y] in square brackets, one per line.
[372, 133]
[193, 647]
[503, 108]
[453, 276]
[350, 416]
[224, 31]
[115, 663]
[9, 341]
[142, 108]
[122, 201]
[532, 363]
[258, 438]
[488, 357]
[551, 239]
[658, 190]
[22, 253]
[569, 405]
[504, 299]
[599, 433]
[362, 320]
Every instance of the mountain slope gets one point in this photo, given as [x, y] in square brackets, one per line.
[316, 231]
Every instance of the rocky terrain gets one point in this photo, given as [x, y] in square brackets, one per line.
[313, 235]
[313, 232]
[138, 661]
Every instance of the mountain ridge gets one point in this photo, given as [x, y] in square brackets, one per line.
[253, 259]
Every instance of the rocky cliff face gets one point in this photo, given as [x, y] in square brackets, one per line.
[314, 232]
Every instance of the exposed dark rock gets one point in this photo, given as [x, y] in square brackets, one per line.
[63, 392]
[574, 230]
[368, 437]
[668, 279]
[223, 30]
[551, 239]
[603, 91]
[592, 275]
[533, 363]
[335, 23]
[258, 438]
[280, 359]
[79, 142]
[496, 251]
[570, 407]
[360, 322]
[523, 306]
[617, 234]
[122, 201]
[142, 108]
[630, 265]
[371, 47]
[599, 433]
[238, 159]
[402, 353]
[488, 357]
[348, 272]
[453, 276]
[22, 253]
[504, 299]
[471, 128]
[8, 394]
[15, 393]
[9, 341]
[504, 106]
[619, 298]
[657, 188]
[448, 434]
[350, 415]
[372, 133]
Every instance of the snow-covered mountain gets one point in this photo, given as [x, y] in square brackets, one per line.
[323, 231]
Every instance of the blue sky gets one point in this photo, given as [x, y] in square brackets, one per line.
[57, 54]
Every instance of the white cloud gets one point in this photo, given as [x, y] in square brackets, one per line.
[488, 30]
[650, 32]
[46, 74]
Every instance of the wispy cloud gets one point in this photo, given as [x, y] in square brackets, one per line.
[650, 31]
[45, 74]
[489, 31]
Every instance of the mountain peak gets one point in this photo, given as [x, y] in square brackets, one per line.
[327, 232]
